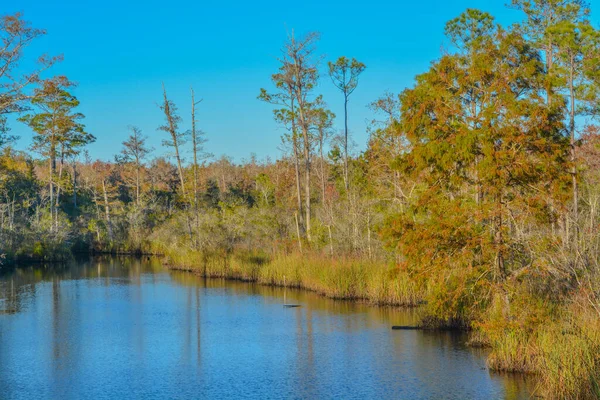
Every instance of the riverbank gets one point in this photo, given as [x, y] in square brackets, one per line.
[347, 279]
[561, 348]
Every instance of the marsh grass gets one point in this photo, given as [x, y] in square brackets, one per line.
[350, 279]
[563, 352]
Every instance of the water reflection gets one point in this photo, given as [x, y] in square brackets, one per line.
[125, 327]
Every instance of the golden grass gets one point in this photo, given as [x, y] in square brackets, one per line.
[375, 282]
[564, 353]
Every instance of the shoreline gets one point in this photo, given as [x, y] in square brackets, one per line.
[359, 300]
[358, 280]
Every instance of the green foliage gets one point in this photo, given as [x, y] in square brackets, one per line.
[212, 195]
[486, 149]
[56, 126]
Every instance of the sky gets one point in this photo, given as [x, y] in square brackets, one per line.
[119, 53]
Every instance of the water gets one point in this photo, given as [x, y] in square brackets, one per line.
[124, 328]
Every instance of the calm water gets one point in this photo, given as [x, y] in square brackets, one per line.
[123, 328]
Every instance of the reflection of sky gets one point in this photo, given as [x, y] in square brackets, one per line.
[113, 329]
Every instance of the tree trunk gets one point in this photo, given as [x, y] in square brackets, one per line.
[330, 240]
[499, 243]
[195, 151]
[52, 169]
[74, 186]
[306, 138]
[107, 211]
[322, 168]
[298, 232]
[572, 150]
[137, 184]
[549, 66]
[12, 214]
[300, 95]
[173, 133]
[307, 187]
[179, 167]
[60, 172]
[346, 184]
[297, 173]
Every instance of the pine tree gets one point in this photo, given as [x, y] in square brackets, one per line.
[135, 151]
[344, 74]
[56, 126]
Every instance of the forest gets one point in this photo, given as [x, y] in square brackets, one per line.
[477, 198]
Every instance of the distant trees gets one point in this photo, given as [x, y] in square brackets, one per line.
[135, 151]
[411, 151]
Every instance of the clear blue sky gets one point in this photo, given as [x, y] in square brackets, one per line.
[120, 51]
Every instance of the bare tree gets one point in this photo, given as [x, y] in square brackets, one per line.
[198, 141]
[176, 138]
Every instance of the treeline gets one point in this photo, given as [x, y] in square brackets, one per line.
[316, 197]
[478, 194]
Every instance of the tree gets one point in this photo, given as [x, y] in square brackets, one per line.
[344, 73]
[286, 115]
[212, 195]
[100, 181]
[324, 122]
[560, 28]
[163, 178]
[386, 143]
[198, 141]
[541, 17]
[135, 151]
[16, 35]
[486, 148]
[56, 125]
[296, 80]
[578, 55]
[176, 138]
